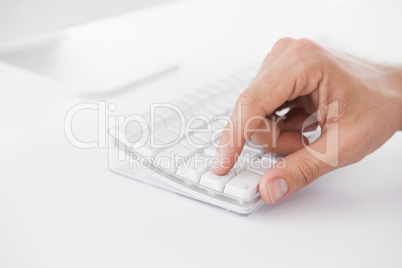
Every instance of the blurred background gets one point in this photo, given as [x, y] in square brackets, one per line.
[98, 47]
[60, 206]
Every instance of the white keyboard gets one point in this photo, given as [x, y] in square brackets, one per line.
[178, 150]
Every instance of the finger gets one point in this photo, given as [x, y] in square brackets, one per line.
[294, 74]
[250, 110]
[235, 134]
[247, 116]
[277, 140]
[287, 142]
[277, 50]
[297, 170]
[304, 102]
[296, 123]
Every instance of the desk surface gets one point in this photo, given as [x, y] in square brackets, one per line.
[60, 206]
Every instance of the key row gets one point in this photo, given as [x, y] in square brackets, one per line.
[241, 182]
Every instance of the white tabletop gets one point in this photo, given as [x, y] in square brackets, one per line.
[60, 206]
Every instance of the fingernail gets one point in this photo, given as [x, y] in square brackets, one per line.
[277, 188]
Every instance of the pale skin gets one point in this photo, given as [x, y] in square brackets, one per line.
[307, 77]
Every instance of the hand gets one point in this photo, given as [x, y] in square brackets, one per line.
[358, 104]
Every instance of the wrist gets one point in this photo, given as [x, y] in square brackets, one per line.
[399, 93]
[394, 84]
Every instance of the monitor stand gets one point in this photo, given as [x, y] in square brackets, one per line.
[97, 58]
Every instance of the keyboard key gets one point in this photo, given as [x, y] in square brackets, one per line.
[237, 80]
[177, 127]
[129, 133]
[208, 137]
[197, 121]
[205, 113]
[271, 159]
[203, 95]
[159, 122]
[225, 103]
[210, 151]
[171, 158]
[165, 113]
[216, 182]
[182, 107]
[258, 166]
[226, 85]
[216, 89]
[220, 86]
[194, 144]
[167, 136]
[173, 117]
[215, 135]
[204, 136]
[218, 125]
[247, 155]
[251, 146]
[244, 186]
[192, 170]
[147, 150]
[216, 109]
[192, 101]
[238, 168]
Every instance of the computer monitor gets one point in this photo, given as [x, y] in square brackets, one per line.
[22, 18]
[94, 57]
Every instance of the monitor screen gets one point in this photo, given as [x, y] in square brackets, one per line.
[25, 18]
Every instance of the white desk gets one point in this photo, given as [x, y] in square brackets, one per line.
[61, 207]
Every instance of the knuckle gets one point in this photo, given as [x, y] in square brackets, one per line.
[272, 74]
[258, 88]
[304, 45]
[283, 42]
[248, 101]
[244, 104]
[246, 98]
[305, 172]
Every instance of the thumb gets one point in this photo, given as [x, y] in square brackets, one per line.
[299, 169]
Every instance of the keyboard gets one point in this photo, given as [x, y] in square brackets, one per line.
[173, 145]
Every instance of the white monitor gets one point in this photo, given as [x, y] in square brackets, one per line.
[93, 56]
[22, 18]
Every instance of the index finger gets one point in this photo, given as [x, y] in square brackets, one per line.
[246, 117]
[294, 74]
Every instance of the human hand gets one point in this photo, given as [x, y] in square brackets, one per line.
[358, 104]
